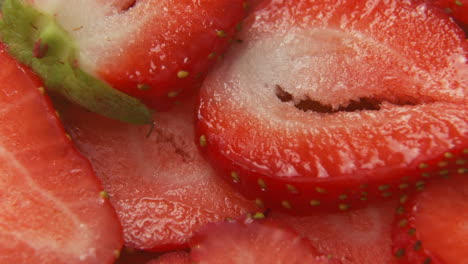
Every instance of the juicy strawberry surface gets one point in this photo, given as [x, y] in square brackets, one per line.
[358, 236]
[250, 242]
[456, 8]
[328, 106]
[52, 207]
[158, 51]
[160, 186]
[430, 226]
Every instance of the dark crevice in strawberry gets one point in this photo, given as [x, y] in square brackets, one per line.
[170, 139]
[363, 103]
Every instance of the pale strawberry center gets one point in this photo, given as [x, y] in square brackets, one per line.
[340, 103]
[336, 71]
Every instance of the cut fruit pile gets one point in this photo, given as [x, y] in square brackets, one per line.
[330, 132]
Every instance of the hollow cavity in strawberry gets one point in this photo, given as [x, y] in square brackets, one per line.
[328, 106]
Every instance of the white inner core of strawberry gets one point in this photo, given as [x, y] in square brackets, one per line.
[334, 71]
[101, 28]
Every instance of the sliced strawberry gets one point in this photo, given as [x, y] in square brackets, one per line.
[160, 186]
[359, 236]
[327, 106]
[158, 51]
[53, 210]
[430, 227]
[456, 8]
[176, 257]
[252, 242]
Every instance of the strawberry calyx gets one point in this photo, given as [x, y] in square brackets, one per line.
[38, 41]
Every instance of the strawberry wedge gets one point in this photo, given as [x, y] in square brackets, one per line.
[431, 227]
[361, 236]
[330, 105]
[160, 186]
[253, 242]
[53, 210]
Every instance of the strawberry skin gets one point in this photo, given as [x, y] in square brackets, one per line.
[328, 107]
[250, 242]
[430, 227]
[160, 186]
[157, 51]
[456, 8]
[53, 208]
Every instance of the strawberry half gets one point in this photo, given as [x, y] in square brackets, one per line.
[430, 227]
[160, 186]
[328, 106]
[53, 210]
[251, 242]
[158, 51]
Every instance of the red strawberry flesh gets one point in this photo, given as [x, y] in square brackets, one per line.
[160, 186]
[52, 207]
[335, 104]
[359, 236]
[252, 242]
[456, 8]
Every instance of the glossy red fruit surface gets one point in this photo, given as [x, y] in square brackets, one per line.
[251, 241]
[456, 8]
[358, 236]
[430, 227]
[328, 105]
[53, 210]
[176, 47]
[160, 186]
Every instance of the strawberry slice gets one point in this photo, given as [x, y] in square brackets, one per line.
[176, 257]
[456, 8]
[251, 242]
[358, 236]
[328, 106]
[430, 227]
[160, 186]
[158, 51]
[53, 210]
